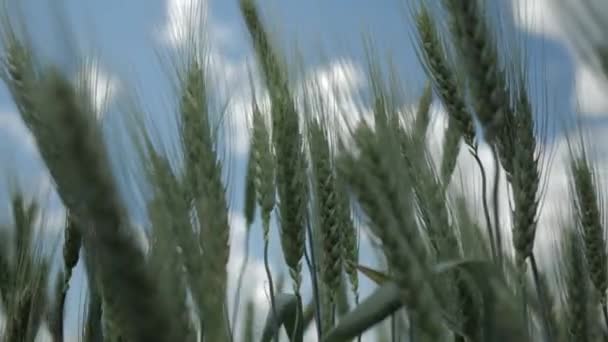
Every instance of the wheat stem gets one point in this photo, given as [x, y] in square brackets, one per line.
[237, 296]
[495, 200]
[542, 297]
[315, 282]
[270, 282]
[484, 202]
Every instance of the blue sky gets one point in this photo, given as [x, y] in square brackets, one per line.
[125, 38]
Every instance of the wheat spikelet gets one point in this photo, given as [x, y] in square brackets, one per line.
[72, 148]
[71, 246]
[71, 251]
[168, 216]
[589, 217]
[173, 233]
[350, 241]
[478, 54]
[574, 274]
[166, 260]
[24, 215]
[328, 209]
[288, 146]
[451, 148]
[264, 166]
[203, 173]
[250, 206]
[429, 195]
[423, 112]
[386, 199]
[24, 292]
[525, 181]
[175, 250]
[250, 191]
[444, 78]
[194, 126]
[430, 200]
[19, 74]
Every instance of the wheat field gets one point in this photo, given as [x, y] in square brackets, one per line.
[374, 221]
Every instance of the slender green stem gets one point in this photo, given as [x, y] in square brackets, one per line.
[496, 203]
[270, 282]
[237, 297]
[315, 284]
[542, 299]
[486, 210]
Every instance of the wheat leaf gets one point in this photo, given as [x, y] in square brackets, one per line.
[386, 299]
[378, 277]
[379, 305]
[288, 314]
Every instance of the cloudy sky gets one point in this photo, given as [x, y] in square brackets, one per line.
[127, 41]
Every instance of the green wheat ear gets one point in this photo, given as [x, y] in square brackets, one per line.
[169, 219]
[445, 80]
[525, 179]
[386, 198]
[24, 289]
[250, 191]
[328, 211]
[288, 146]
[72, 242]
[574, 276]
[350, 238]
[203, 177]
[264, 165]
[587, 202]
[72, 147]
[478, 53]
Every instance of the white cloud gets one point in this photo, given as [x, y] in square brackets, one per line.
[466, 180]
[590, 91]
[538, 16]
[555, 202]
[183, 17]
[188, 21]
[339, 76]
[336, 85]
[337, 81]
[99, 84]
[568, 23]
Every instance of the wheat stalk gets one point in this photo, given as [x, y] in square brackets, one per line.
[387, 201]
[328, 209]
[203, 174]
[574, 282]
[444, 78]
[72, 148]
[287, 143]
[589, 215]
